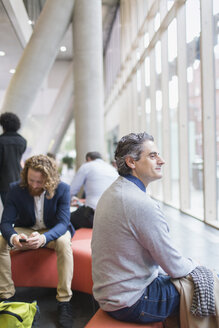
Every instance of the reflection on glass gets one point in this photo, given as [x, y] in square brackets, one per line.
[158, 57]
[148, 106]
[147, 71]
[139, 106]
[216, 58]
[172, 40]
[138, 81]
[173, 108]
[173, 92]
[194, 108]
[157, 22]
[146, 40]
[170, 4]
[148, 114]
[158, 100]
[159, 135]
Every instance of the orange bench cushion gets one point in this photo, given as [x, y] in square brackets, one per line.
[37, 268]
[83, 233]
[82, 279]
[102, 320]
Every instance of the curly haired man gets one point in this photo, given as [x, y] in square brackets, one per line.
[12, 147]
[37, 214]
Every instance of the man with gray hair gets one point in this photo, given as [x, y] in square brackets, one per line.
[131, 246]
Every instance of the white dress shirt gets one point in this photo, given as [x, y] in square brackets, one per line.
[38, 209]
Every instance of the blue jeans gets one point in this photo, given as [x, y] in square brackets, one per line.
[159, 300]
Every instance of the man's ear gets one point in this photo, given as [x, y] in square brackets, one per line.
[130, 162]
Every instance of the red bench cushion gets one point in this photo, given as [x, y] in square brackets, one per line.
[37, 268]
[82, 279]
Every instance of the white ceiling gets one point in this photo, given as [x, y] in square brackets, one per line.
[12, 44]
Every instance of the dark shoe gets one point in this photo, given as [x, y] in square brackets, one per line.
[65, 315]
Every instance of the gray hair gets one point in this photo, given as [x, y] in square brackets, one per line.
[130, 145]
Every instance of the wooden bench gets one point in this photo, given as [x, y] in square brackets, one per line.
[102, 320]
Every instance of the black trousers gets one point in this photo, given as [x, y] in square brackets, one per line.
[3, 195]
[83, 217]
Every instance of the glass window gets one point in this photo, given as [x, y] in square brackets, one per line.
[158, 94]
[158, 100]
[112, 55]
[148, 114]
[216, 59]
[158, 57]
[194, 108]
[139, 88]
[147, 99]
[146, 40]
[157, 22]
[173, 108]
[147, 71]
[138, 80]
[159, 119]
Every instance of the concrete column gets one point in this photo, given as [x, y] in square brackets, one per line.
[57, 113]
[38, 57]
[61, 130]
[58, 125]
[88, 77]
[18, 16]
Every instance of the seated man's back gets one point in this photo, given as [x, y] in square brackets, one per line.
[95, 176]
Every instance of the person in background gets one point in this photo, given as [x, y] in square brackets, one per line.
[12, 147]
[95, 176]
[37, 214]
[133, 258]
[113, 163]
[51, 155]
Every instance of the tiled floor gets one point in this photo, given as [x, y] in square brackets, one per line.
[82, 305]
[193, 238]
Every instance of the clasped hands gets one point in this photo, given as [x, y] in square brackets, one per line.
[34, 241]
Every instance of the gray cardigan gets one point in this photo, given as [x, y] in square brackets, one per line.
[130, 241]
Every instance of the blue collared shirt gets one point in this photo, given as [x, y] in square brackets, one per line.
[136, 181]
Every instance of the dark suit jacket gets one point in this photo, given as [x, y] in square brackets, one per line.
[12, 146]
[19, 211]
